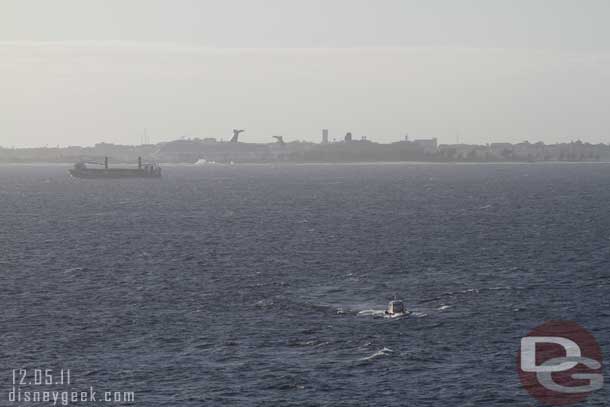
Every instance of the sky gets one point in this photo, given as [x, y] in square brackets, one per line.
[76, 72]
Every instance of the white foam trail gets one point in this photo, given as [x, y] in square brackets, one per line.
[372, 312]
[379, 353]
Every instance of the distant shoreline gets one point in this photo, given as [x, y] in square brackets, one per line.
[349, 150]
[284, 163]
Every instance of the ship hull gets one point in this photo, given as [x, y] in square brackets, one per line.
[113, 173]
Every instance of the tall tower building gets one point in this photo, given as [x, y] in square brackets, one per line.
[324, 136]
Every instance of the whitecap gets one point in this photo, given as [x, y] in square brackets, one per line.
[379, 353]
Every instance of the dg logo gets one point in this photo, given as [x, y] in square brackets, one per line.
[560, 363]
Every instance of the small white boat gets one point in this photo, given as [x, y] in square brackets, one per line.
[396, 308]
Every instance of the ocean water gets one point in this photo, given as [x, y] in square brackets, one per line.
[259, 285]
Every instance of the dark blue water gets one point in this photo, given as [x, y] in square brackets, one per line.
[242, 285]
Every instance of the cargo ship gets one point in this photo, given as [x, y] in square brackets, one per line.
[81, 170]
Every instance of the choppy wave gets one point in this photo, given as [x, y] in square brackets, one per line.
[378, 354]
[258, 286]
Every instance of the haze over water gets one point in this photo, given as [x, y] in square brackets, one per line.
[79, 73]
[266, 285]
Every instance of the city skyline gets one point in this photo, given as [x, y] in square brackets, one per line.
[144, 139]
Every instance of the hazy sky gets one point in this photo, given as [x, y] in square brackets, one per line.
[83, 71]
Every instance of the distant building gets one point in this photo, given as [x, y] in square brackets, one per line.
[324, 136]
[468, 152]
[501, 150]
[348, 136]
[428, 145]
